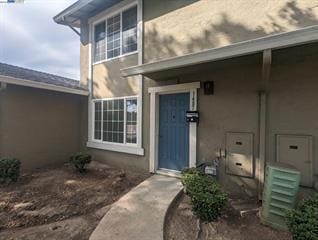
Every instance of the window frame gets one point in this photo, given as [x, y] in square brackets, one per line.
[104, 19]
[125, 121]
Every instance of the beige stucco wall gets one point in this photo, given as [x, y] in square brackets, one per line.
[122, 160]
[84, 53]
[178, 27]
[107, 79]
[108, 83]
[234, 107]
[39, 127]
[293, 98]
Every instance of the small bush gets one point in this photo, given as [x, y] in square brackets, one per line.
[188, 172]
[9, 169]
[80, 160]
[207, 197]
[303, 221]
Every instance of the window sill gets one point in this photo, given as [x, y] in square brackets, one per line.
[116, 148]
[115, 58]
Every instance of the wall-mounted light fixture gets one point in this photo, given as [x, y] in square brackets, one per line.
[208, 87]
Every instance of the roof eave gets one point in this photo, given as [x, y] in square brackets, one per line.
[276, 41]
[60, 18]
[40, 85]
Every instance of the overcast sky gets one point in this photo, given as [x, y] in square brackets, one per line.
[30, 38]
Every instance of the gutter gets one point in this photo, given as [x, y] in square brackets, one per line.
[60, 18]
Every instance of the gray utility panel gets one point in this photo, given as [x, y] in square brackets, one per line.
[239, 154]
[296, 150]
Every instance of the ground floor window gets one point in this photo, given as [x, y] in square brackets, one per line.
[115, 120]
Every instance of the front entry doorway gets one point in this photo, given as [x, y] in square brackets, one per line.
[173, 131]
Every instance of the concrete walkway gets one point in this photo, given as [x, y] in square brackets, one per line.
[140, 214]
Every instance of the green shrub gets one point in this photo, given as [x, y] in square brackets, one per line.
[303, 221]
[79, 161]
[207, 197]
[186, 173]
[9, 169]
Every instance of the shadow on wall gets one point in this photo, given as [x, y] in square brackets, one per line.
[159, 45]
[109, 81]
[231, 31]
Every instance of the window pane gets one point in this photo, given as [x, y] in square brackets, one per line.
[100, 36]
[130, 30]
[113, 36]
[97, 120]
[131, 121]
[113, 121]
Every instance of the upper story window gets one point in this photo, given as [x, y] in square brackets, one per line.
[116, 36]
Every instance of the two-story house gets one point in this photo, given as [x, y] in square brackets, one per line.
[175, 83]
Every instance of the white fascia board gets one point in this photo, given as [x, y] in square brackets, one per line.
[60, 18]
[276, 41]
[174, 88]
[28, 83]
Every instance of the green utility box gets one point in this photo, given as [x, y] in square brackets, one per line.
[280, 193]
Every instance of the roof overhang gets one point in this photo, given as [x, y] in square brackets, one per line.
[82, 9]
[276, 41]
[40, 85]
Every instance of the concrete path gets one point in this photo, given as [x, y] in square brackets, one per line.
[140, 214]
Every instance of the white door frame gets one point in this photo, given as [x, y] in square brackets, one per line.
[154, 120]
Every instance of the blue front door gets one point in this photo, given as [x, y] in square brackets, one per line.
[173, 131]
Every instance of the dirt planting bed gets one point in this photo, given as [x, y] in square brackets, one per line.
[181, 224]
[60, 203]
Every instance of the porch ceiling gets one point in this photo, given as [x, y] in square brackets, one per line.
[82, 9]
[172, 66]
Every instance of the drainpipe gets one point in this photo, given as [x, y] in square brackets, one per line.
[263, 93]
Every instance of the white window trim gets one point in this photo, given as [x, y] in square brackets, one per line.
[117, 9]
[154, 121]
[125, 118]
[136, 150]
[132, 148]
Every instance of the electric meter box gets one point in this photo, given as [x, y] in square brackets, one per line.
[240, 154]
[296, 150]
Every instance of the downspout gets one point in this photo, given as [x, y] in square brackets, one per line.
[263, 94]
[3, 86]
[140, 77]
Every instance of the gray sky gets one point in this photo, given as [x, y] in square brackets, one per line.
[30, 38]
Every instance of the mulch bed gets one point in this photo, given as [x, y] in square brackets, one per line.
[182, 224]
[51, 195]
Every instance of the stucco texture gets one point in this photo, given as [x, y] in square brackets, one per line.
[234, 106]
[292, 102]
[39, 127]
[178, 27]
[107, 79]
[107, 82]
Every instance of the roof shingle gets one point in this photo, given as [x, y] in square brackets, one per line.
[36, 76]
